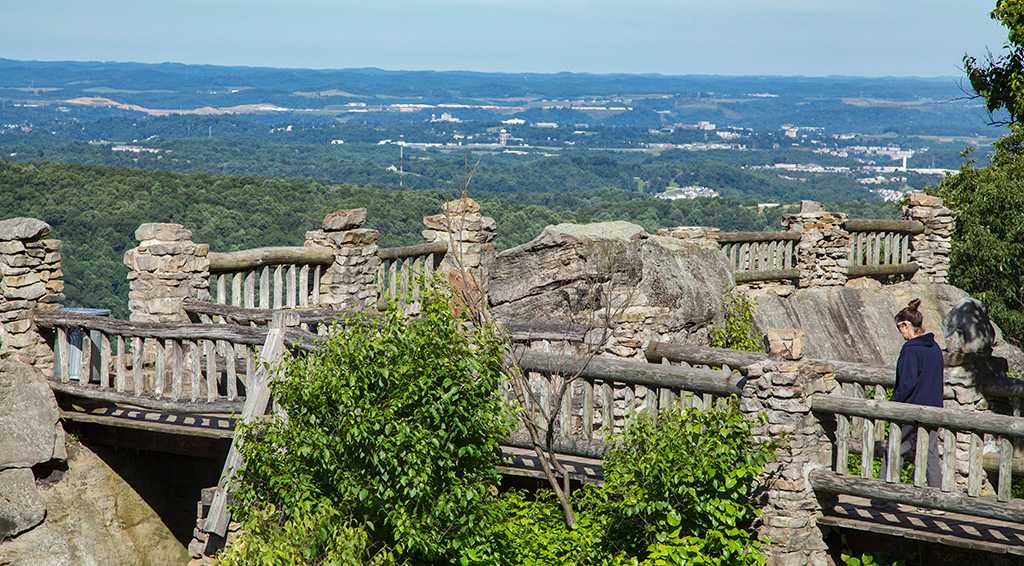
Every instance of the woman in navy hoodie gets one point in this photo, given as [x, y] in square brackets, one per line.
[919, 381]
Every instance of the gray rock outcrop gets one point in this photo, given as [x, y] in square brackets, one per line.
[22, 507]
[656, 286]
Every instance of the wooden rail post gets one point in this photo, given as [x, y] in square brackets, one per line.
[777, 399]
[257, 403]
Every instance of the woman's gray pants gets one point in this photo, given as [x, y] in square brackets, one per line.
[907, 448]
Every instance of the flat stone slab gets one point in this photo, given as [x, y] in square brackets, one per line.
[23, 229]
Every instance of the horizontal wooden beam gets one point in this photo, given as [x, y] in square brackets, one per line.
[175, 331]
[530, 330]
[883, 225]
[952, 538]
[845, 372]
[561, 445]
[95, 393]
[827, 481]
[167, 428]
[402, 252]
[257, 257]
[614, 370]
[954, 419]
[247, 315]
[768, 275]
[745, 237]
[881, 270]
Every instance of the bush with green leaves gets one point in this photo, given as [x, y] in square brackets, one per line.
[738, 330]
[389, 449]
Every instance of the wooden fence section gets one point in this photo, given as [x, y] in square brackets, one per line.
[881, 247]
[761, 256]
[401, 270]
[275, 277]
[948, 423]
[603, 393]
[176, 367]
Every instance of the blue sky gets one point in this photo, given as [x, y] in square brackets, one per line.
[780, 37]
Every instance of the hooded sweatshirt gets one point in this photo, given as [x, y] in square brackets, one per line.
[919, 372]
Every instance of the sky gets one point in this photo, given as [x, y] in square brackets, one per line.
[733, 37]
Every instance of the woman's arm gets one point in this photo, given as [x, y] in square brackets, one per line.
[906, 376]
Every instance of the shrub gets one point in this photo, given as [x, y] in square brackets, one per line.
[738, 330]
[389, 448]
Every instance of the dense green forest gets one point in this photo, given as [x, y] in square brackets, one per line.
[95, 210]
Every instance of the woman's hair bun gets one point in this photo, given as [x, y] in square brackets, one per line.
[912, 305]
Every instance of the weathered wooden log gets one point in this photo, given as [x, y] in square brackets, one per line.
[176, 331]
[932, 417]
[770, 275]
[175, 407]
[827, 481]
[529, 330]
[402, 252]
[881, 270]
[845, 372]
[244, 315]
[733, 237]
[561, 445]
[631, 372]
[281, 255]
[883, 225]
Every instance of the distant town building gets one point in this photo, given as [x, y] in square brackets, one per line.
[337, 142]
[445, 117]
[689, 192]
[514, 122]
[706, 126]
[549, 125]
[504, 137]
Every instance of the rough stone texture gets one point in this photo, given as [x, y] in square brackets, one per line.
[164, 269]
[930, 250]
[23, 229]
[470, 239]
[823, 250]
[30, 431]
[351, 281]
[658, 287]
[22, 507]
[700, 235]
[30, 278]
[776, 398]
[94, 517]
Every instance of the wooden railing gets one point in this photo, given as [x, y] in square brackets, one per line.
[277, 277]
[948, 423]
[881, 247]
[177, 367]
[402, 269]
[761, 256]
[606, 392]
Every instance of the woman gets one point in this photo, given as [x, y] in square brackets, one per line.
[919, 382]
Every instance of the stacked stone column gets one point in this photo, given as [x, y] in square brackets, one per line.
[470, 239]
[30, 278]
[351, 281]
[823, 250]
[930, 249]
[777, 399]
[164, 269]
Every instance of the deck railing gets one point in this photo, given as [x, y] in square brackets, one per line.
[180, 367]
[949, 424]
[881, 247]
[761, 256]
[605, 392]
[402, 269]
[275, 277]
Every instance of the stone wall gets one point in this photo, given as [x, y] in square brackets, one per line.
[351, 281]
[163, 270]
[776, 398]
[930, 250]
[702, 236]
[30, 278]
[470, 239]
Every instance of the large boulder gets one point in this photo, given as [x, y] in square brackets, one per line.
[30, 431]
[662, 285]
[94, 517]
[22, 506]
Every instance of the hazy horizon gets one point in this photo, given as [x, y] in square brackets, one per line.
[804, 38]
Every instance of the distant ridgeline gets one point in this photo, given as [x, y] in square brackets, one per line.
[96, 209]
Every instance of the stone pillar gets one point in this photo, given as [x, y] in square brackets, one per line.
[163, 270]
[930, 249]
[702, 236]
[823, 250]
[30, 278]
[776, 397]
[351, 281]
[470, 239]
